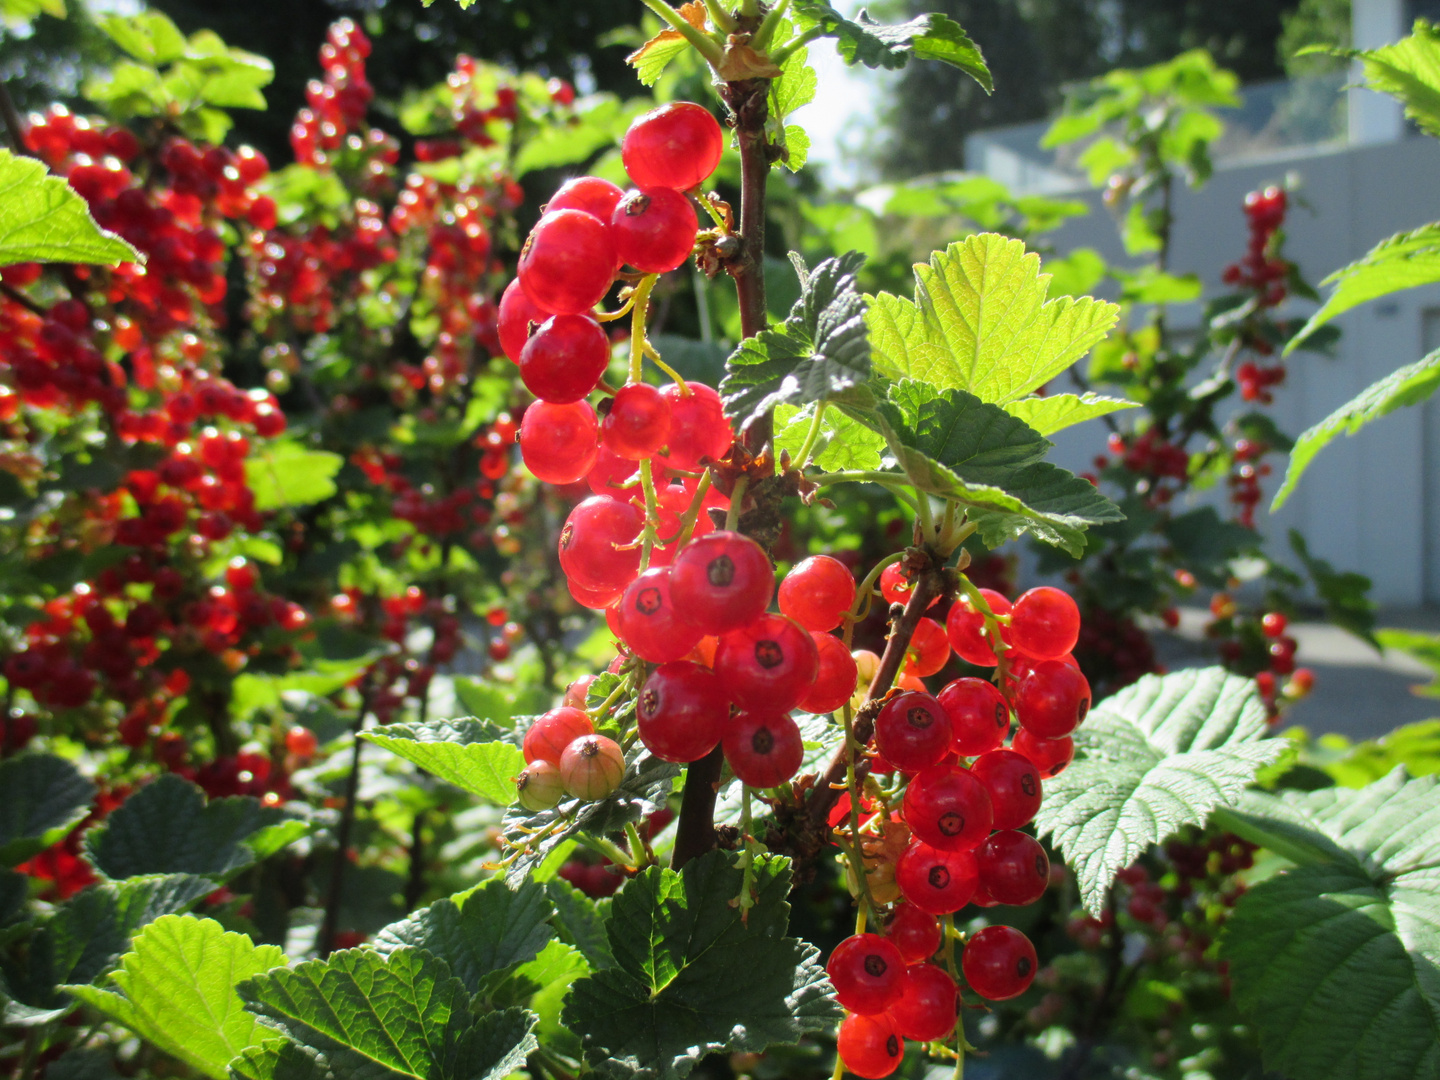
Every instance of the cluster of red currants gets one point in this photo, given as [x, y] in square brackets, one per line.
[1266, 274]
[1153, 458]
[965, 844]
[1260, 647]
[338, 103]
[1244, 480]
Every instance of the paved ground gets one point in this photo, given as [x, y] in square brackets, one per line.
[1358, 691]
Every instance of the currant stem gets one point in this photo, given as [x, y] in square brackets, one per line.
[992, 628]
[612, 851]
[652, 513]
[692, 512]
[761, 39]
[802, 456]
[865, 594]
[737, 497]
[723, 20]
[893, 482]
[639, 312]
[794, 45]
[704, 44]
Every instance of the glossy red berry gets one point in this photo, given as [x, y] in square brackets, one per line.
[928, 651]
[592, 767]
[557, 442]
[517, 317]
[651, 623]
[638, 422]
[1045, 623]
[568, 262]
[682, 712]
[999, 963]
[965, 627]
[595, 543]
[1049, 756]
[1014, 786]
[654, 229]
[589, 193]
[935, 881]
[896, 587]
[564, 358]
[834, 677]
[1273, 624]
[948, 808]
[1014, 868]
[675, 146]
[764, 749]
[552, 732]
[539, 786]
[817, 592]
[929, 1000]
[979, 716]
[912, 731]
[768, 665]
[870, 1046]
[866, 971]
[723, 582]
[698, 428]
[1052, 700]
[914, 932]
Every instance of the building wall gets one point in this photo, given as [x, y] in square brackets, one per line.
[1372, 502]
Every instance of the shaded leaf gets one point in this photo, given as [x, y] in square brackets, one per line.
[581, 921]
[1346, 594]
[864, 41]
[176, 988]
[1159, 755]
[41, 798]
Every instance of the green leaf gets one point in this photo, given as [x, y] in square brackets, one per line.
[176, 988]
[41, 798]
[465, 753]
[1423, 647]
[1346, 594]
[1337, 962]
[490, 931]
[404, 1012]
[602, 120]
[980, 322]
[652, 58]
[819, 350]
[864, 41]
[1158, 756]
[843, 443]
[581, 921]
[1408, 69]
[691, 977]
[88, 933]
[1404, 261]
[43, 219]
[148, 36]
[1059, 411]
[1415, 746]
[286, 474]
[1408, 385]
[544, 984]
[166, 827]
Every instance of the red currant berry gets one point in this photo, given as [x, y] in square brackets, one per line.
[866, 971]
[594, 599]
[1014, 868]
[675, 146]
[638, 422]
[568, 262]
[301, 742]
[539, 786]
[870, 1046]
[764, 750]
[935, 881]
[564, 358]
[928, 1003]
[1053, 700]
[768, 665]
[928, 651]
[965, 628]
[912, 731]
[651, 624]
[979, 716]
[1274, 624]
[834, 678]
[914, 932]
[1014, 786]
[557, 442]
[948, 808]
[682, 712]
[999, 963]
[609, 473]
[654, 229]
[594, 541]
[896, 587]
[1045, 623]
[1049, 756]
[589, 193]
[723, 582]
[818, 592]
[518, 316]
[552, 732]
[698, 428]
[592, 767]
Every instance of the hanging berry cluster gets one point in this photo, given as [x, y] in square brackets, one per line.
[1264, 274]
[945, 829]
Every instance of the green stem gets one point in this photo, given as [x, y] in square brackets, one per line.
[749, 9]
[612, 851]
[737, 497]
[893, 481]
[802, 457]
[692, 512]
[794, 45]
[866, 592]
[641, 850]
[723, 20]
[639, 312]
[761, 40]
[704, 44]
[652, 513]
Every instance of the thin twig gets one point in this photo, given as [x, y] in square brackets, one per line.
[330, 924]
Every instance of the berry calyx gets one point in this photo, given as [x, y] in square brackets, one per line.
[948, 808]
[999, 963]
[764, 750]
[1014, 868]
[912, 731]
[682, 712]
[592, 767]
